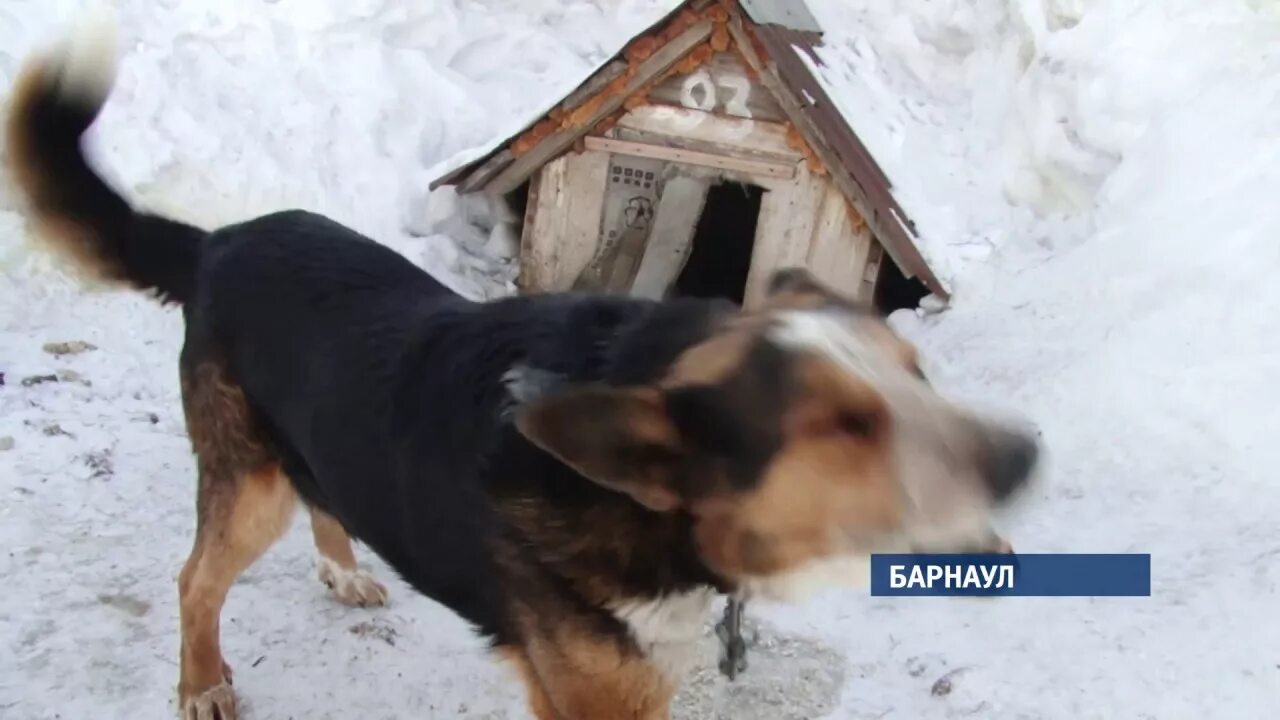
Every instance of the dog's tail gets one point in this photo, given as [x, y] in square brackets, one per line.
[55, 100]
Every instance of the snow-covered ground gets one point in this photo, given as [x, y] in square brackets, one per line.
[1098, 180]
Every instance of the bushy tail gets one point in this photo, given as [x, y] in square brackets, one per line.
[55, 100]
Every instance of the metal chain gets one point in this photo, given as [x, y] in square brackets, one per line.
[733, 648]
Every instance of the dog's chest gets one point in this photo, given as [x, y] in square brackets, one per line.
[669, 629]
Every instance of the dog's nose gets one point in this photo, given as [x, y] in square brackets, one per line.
[1011, 458]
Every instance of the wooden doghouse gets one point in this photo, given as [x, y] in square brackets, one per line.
[702, 157]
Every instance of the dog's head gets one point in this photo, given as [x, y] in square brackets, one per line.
[801, 438]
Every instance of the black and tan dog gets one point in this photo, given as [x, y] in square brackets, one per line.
[576, 476]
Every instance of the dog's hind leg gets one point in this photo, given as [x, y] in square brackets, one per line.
[337, 562]
[244, 504]
[572, 672]
[536, 693]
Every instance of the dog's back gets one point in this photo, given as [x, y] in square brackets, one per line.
[314, 320]
[325, 332]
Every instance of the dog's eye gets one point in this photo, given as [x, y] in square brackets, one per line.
[857, 424]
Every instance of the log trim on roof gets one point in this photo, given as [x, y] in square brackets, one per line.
[547, 148]
[636, 60]
[851, 165]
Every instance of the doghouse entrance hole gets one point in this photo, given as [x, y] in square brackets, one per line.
[517, 202]
[722, 243]
[894, 291]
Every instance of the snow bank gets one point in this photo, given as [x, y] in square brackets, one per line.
[1127, 305]
[999, 122]
[231, 108]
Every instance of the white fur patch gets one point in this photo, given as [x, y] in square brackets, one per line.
[805, 581]
[936, 468]
[526, 384]
[831, 336]
[668, 629]
[352, 587]
[87, 61]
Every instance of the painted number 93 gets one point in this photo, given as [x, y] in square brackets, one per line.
[701, 91]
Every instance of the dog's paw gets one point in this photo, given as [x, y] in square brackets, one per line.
[355, 587]
[216, 703]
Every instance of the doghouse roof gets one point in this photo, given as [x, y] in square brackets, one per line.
[777, 41]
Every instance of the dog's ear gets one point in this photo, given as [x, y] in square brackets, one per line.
[619, 438]
[797, 288]
[794, 280]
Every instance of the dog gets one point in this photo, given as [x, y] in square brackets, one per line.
[576, 476]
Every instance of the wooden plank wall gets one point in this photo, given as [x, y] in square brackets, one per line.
[632, 189]
[785, 230]
[563, 227]
[718, 161]
[591, 227]
[696, 130]
[810, 224]
[683, 199]
[841, 245]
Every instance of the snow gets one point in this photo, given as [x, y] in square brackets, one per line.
[1097, 181]
[626, 19]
